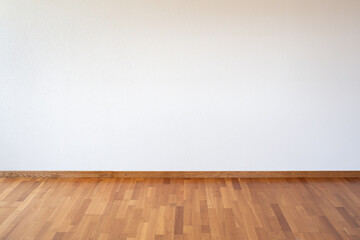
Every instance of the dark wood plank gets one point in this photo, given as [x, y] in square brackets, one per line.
[179, 220]
[236, 184]
[280, 217]
[352, 222]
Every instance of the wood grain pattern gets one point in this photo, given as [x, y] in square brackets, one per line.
[181, 174]
[179, 208]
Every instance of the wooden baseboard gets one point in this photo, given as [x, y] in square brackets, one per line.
[181, 174]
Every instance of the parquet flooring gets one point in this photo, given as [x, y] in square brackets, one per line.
[174, 209]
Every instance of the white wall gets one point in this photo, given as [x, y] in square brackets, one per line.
[180, 85]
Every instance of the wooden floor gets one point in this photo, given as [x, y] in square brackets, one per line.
[165, 209]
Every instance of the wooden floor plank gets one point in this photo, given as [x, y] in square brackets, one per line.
[173, 209]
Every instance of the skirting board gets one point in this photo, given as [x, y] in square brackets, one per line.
[181, 174]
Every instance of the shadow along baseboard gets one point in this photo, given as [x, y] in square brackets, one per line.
[181, 174]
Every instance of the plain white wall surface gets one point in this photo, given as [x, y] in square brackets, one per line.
[180, 85]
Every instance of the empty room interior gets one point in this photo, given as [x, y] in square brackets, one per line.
[180, 120]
